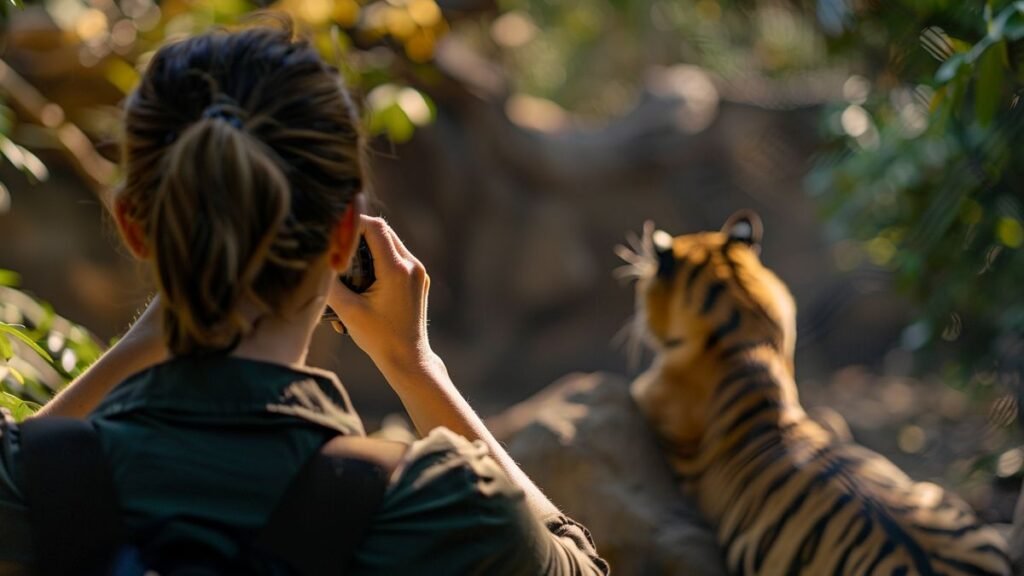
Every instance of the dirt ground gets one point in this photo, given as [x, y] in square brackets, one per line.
[967, 440]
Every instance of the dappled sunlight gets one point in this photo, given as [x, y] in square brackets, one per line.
[550, 164]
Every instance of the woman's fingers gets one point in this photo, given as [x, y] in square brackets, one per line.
[398, 244]
[388, 321]
[419, 272]
[397, 251]
[380, 239]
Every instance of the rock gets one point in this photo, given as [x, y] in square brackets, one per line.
[583, 441]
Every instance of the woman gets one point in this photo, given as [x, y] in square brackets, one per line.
[243, 191]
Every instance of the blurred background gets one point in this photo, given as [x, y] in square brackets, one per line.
[516, 142]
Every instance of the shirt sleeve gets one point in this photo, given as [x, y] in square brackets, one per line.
[450, 509]
[15, 536]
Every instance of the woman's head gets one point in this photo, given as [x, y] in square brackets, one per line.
[242, 155]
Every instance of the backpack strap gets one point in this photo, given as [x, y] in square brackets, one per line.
[328, 508]
[315, 528]
[73, 508]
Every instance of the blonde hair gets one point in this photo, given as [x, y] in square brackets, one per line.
[242, 151]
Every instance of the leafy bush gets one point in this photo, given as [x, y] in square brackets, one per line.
[926, 174]
[40, 351]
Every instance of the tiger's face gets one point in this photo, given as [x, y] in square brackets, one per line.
[701, 299]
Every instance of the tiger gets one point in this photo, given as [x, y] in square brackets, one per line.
[783, 493]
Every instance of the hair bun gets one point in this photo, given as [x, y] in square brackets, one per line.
[226, 109]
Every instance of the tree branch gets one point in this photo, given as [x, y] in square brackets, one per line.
[97, 171]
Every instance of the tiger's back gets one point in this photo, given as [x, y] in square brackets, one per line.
[785, 495]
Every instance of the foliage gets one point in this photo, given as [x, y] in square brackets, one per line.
[374, 43]
[592, 56]
[40, 351]
[925, 172]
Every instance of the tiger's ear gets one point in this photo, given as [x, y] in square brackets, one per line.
[745, 226]
[662, 242]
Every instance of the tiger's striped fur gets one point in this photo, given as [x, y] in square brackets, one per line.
[784, 495]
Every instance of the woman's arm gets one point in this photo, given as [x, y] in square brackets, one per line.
[389, 322]
[141, 347]
[432, 400]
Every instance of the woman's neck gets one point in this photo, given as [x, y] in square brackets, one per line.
[284, 338]
[277, 340]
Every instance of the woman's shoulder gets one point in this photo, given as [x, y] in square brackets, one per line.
[451, 509]
[444, 461]
[383, 454]
[421, 464]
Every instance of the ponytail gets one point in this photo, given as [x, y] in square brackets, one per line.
[222, 200]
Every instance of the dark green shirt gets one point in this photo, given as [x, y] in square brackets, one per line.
[196, 443]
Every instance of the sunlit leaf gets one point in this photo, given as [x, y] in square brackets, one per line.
[20, 409]
[9, 278]
[1010, 232]
[6, 351]
[9, 401]
[122, 75]
[18, 376]
[15, 332]
[25, 410]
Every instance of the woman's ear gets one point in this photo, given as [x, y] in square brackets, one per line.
[345, 236]
[131, 230]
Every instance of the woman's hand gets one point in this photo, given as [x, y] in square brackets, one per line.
[388, 321]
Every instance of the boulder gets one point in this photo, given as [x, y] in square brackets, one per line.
[585, 443]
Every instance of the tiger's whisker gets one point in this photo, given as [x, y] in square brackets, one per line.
[628, 255]
[634, 241]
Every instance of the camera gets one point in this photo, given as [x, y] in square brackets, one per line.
[359, 277]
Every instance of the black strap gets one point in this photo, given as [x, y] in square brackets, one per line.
[326, 511]
[315, 528]
[76, 524]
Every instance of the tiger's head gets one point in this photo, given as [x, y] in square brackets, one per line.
[709, 289]
[701, 299]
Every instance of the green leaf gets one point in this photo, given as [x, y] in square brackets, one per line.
[16, 374]
[25, 410]
[1014, 27]
[997, 25]
[9, 278]
[9, 401]
[979, 49]
[13, 331]
[20, 409]
[950, 68]
[6, 351]
[988, 88]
